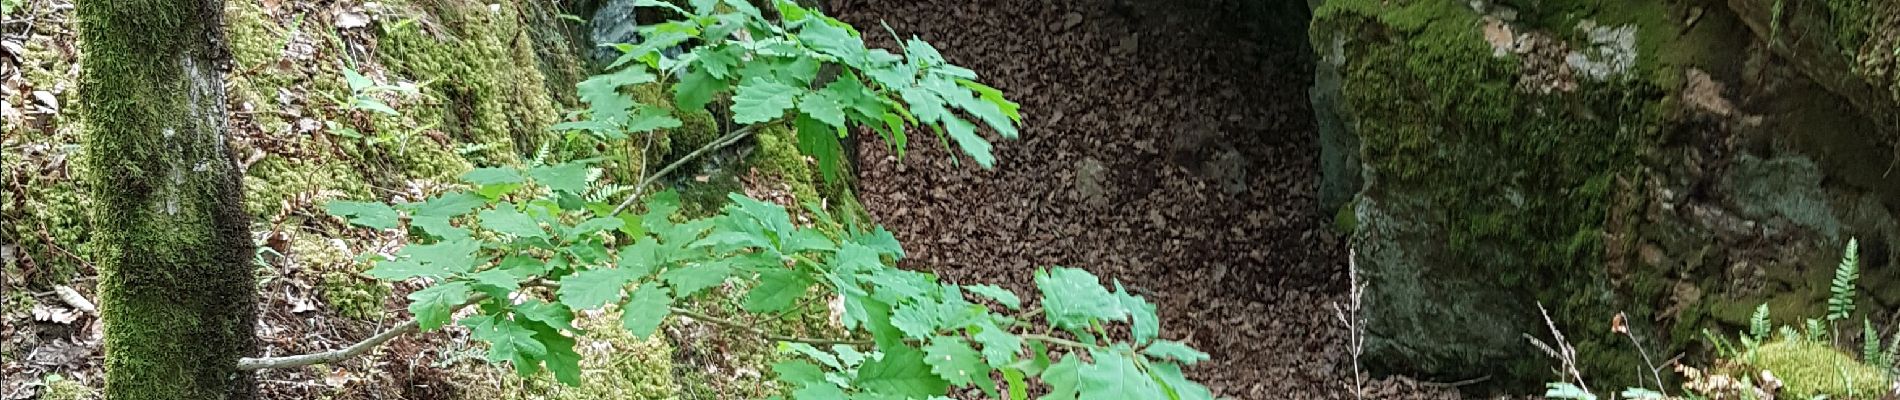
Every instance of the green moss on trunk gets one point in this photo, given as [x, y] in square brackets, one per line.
[176, 284]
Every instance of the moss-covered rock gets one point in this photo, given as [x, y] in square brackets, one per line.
[1809, 369]
[1477, 189]
[1568, 153]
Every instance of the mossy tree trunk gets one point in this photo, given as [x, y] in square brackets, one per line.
[172, 240]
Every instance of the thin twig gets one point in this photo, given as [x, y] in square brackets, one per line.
[756, 331]
[716, 144]
[332, 356]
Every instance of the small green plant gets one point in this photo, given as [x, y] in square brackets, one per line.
[803, 68]
[527, 254]
[1840, 302]
[363, 92]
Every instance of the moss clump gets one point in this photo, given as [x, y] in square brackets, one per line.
[341, 282]
[485, 86]
[60, 388]
[43, 209]
[778, 157]
[1809, 369]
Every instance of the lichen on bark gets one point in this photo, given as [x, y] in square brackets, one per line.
[176, 281]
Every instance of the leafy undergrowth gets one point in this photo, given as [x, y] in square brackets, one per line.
[529, 268]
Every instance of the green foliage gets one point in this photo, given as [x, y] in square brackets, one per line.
[363, 97]
[1758, 325]
[770, 69]
[533, 241]
[1566, 390]
[1840, 302]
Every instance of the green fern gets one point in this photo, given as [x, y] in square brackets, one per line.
[1723, 348]
[1816, 332]
[1870, 345]
[1758, 325]
[1893, 355]
[1841, 302]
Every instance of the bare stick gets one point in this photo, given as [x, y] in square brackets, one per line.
[333, 356]
[716, 144]
[756, 331]
[327, 357]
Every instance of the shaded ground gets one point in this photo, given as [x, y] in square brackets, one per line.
[1170, 146]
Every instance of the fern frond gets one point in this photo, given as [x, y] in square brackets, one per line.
[1870, 345]
[1758, 325]
[605, 191]
[1816, 332]
[1788, 333]
[1840, 303]
[1893, 354]
[1723, 348]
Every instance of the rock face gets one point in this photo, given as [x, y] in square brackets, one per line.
[1594, 157]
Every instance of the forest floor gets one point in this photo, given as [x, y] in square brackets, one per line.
[1159, 149]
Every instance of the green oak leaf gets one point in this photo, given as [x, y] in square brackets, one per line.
[456, 255]
[369, 214]
[1114, 376]
[643, 314]
[822, 106]
[881, 241]
[820, 140]
[1064, 379]
[550, 314]
[641, 258]
[901, 372]
[597, 224]
[1177, 384]
[799, 373]
[433, 305]
[965, 135]
[497, 278]
[697, 89]
[1001, 295]
[822, 356]
[650, 118]
[1145, 325]
[505, 219]
[450, 205]
[999, 346]
[916, 320]
[590, 289]
[492, 176]
[807, 239]
[561, 359]
[954, 360]
[833, 41]
[760, 100]
[568, 177]
[819, 391]
[507, 340]
[694, 278]
[1071, 298]
[777, 291]
[1168, 349]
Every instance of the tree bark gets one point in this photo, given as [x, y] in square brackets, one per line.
[176, 282]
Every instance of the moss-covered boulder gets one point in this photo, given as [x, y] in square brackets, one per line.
[1594, 157]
